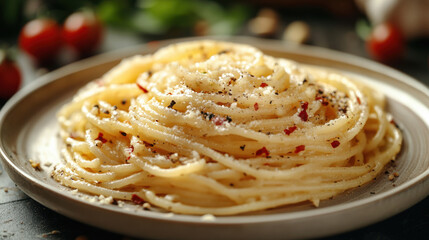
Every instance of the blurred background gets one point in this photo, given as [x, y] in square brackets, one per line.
[38, 36]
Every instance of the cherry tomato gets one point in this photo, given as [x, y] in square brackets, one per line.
[386, 43]
[10, 78]
[41, 38]
[83, 32]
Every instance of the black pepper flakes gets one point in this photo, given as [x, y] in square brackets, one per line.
[172, 103]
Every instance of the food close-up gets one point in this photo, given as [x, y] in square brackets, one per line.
[215, 119]
[158, 135]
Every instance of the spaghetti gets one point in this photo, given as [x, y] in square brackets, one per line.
[219, 128]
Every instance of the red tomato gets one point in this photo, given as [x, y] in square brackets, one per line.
[83, 32]
[10, 79]
[41, 38]
[386, 43]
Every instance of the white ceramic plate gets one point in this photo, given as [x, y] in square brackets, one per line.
[28, 130]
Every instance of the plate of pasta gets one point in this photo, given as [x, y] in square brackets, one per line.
[234, 137]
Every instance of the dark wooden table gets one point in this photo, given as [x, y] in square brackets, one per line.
[23, 218]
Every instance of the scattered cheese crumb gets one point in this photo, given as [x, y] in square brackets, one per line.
[35, 165]
[174, 157]
[315, 202]
[393, 176]
[121, 204]
[105, 200]
[208, 218]
[146, 206]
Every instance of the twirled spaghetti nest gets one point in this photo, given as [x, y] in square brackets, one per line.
[220, 128]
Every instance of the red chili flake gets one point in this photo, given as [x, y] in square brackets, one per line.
[218, 120]
[100, 137]
[130, 150]
[256, 106]
[267, 164]
[299, 148]
[262, 151]
[358, 100]
[304, 106]
[142, 88]
[335, 144]
[169, 93]
[303, 114]
[263, 85]
[290, 130]
[136, 199]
